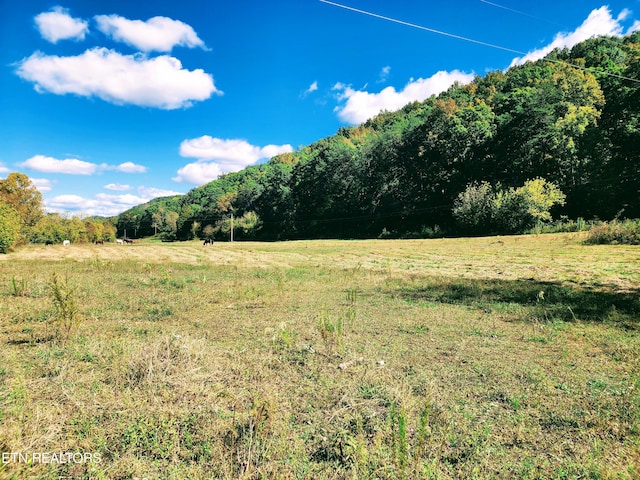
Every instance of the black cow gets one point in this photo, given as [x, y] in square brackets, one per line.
[207, 241]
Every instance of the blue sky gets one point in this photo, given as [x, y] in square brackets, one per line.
[107, 104]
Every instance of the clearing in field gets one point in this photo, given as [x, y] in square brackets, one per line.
[512, 357]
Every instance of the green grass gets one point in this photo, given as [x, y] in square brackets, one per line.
[326, 359]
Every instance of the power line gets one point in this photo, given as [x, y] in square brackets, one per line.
[520, 13]
[478, 42]
[420, 27]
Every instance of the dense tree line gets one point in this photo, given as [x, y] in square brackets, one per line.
[160, 216]
[55, 228]
[23, 219]
[571, 120]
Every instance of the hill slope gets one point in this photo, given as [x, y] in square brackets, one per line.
[572, 119]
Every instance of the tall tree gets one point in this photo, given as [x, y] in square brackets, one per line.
[19, 191]
[542, 116]
[9, 226]
[615, 144]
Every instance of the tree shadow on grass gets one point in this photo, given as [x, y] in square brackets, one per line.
[549, 300]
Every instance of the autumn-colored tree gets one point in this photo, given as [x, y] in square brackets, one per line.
[225, 202]
[50, 228]
[249, 223]
[171, 219]
[20, 193]
[157, 220]
[9, 226]
[108, 231]
[94, 230]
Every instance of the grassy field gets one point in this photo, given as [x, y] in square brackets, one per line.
[502, 357]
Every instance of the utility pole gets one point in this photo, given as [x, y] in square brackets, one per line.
[232, 226]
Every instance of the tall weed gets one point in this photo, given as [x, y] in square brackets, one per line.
[66, 315]
[19, 287]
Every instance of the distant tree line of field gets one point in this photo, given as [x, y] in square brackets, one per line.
[23, 220]
[502, 154]
[568, 125]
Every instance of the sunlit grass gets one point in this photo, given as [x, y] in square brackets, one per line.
[323, 359]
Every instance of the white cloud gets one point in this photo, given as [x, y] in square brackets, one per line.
[271, 151]
[599, 22]
[57, 24]
[217, 156]
[3, 169]
[104, 204]
[158, 82]
[361, 105]
[159, 34]
[117, 187]
[151, 193]
[634, 28]
[125, 199]
[72, 166]
[230, 151]
[384, 74]
[42, 184]
[66, 201]
[312, 88]
[130, 167]
[198, 173]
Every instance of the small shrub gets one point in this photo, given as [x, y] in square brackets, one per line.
[483, 208]
[249, 439]
[284, 339]
[386, 234]
[564, 225]
[615, 232]
[431, 232]
[331, 331]
[519, 209]
[66, 315]
[473, 208]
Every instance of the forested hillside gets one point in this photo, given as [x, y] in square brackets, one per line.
[572, 119]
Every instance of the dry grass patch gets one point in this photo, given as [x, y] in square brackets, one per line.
[373, 359]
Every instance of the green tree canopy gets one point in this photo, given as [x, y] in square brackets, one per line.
[482, 208]
[19, 191]
[572, 119]
[9, 226]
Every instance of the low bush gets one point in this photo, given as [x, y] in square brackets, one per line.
[564, 225]
[615, 232]
[483, 208]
